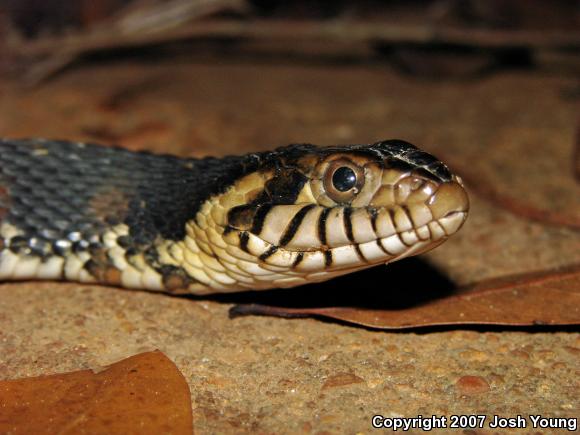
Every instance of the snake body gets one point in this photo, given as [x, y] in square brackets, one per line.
[295, 215]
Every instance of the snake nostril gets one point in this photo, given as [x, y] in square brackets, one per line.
[416, 183]
[413, 189]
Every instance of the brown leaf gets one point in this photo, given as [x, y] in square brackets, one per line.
[551, 298]
[145, 393]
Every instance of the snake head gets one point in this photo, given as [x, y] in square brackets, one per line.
[310, 213]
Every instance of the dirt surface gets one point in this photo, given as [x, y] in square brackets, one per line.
[512, 130]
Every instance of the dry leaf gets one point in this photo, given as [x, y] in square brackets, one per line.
[142, 394]
[533, 299]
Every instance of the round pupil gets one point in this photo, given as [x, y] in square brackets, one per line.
[344, 179]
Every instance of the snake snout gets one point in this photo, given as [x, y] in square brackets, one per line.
[449, 205]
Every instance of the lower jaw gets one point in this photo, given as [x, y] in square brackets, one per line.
[348, 258]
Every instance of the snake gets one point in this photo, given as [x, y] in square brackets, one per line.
[298, 214]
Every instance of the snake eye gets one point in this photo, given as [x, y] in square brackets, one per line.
[343, 180]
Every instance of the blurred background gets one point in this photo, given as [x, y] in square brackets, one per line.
[291, 63]
[434, 38]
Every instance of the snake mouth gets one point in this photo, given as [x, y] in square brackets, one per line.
[318, 240]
